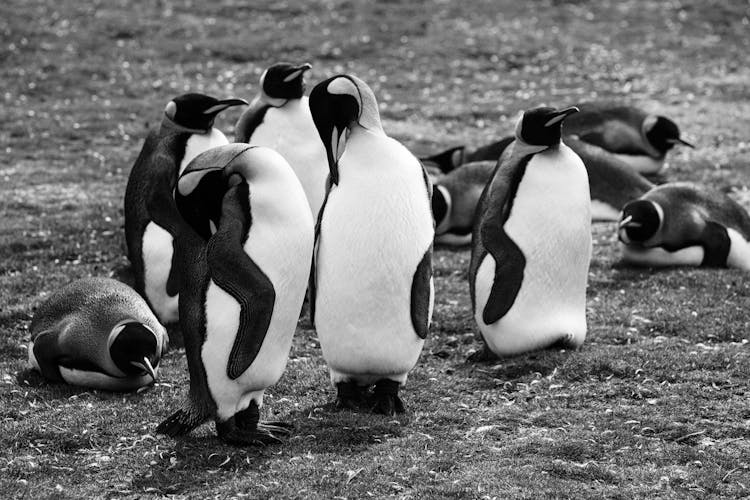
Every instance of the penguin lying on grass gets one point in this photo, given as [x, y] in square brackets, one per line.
[245, 268]
[151, 219]
[685, 224]
[531, 244]
[279, 118]
[371, 291]
[97, 333]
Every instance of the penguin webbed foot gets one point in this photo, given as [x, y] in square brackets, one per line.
[386, 400]
[350, 396]
[244, 428]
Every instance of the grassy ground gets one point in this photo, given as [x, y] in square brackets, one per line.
[656, 403]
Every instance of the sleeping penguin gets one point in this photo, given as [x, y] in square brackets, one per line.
[151, 219]
[97, 333]
[684, 224]
[531, 244]
[279, 118]
[245, 268]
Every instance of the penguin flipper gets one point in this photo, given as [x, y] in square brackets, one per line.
[312, 285]
[250, 120]
[46, 352]
[421, 295]
[716, 243]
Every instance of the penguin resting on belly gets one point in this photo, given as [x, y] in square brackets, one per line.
[531, 244]
[151, 219]
[97, 333]
[371, 291]
[685, 224]
[245, 268]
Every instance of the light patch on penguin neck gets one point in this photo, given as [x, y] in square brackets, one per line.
[444, 225]
[522, 149]
[369, 115]
[648, 123]
[198, 143]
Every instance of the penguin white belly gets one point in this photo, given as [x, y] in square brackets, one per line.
[552, 227]
[98, 380]
[367, 256]
[739, 252]
[285, 257]
[643, 164]
[157, 261]
[659, 257]
[290, 131]
[198, 143]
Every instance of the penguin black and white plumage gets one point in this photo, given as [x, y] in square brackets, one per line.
[246, 264]
[638, 138]
[450, 159]
[97, 333]
[685, 224]
[454, 201]
[279, 118]
[151, 218]
[531, 244]
[371, 292]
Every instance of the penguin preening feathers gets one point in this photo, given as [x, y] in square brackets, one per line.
[685, 224]
[638, 138]
[97, 333]
[531, 244]
[151, 219]
[371, 290]
[246, 262]
[279, 118]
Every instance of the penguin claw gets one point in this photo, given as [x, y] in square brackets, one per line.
[257, 437]
[349, 396]
[388, 404]
[281, 428]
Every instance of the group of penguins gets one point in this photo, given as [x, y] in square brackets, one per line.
[314, 199]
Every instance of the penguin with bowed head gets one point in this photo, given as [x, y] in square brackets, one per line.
[371, 291]
[531, 244]
[97, 333]
[151, 218]
[683, 224]
[246, 265]
[279, 118]
[640, 139]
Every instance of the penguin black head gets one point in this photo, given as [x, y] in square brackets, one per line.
[542, 126]
[662, 133]
[640, 221]
[196, 113]
[135, 350]
[441, 207]
[284, 81]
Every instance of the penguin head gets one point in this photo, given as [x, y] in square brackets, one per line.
[662, 133]
[282, 82]
[542, 126]
[134, 349]
[640, 221]
[337, 105]
[441, 209]
[195, 113]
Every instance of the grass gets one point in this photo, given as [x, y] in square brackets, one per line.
[654, 405]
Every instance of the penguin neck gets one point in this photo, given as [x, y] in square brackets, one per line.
[358, 130]
[198, 143]
[646, 127]
[169, 126]
[522, 149]
[274, 102]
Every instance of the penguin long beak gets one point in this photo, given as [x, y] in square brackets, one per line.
[146, 366]
[222, 105]
[629, 222]
[559, 116]
[298, 71]
[680, 141]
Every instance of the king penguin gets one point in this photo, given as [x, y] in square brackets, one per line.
[371, 292]
[279, 118]
[531, 245]
[638, 138]
[682, 223]
[151, 218]
[246, 263]
[97, 333]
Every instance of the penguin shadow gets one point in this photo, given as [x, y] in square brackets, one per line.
[519, 369]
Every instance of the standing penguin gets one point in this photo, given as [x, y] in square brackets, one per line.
[243, 287]
[371, 291]
[685, 224]
[279, 118]
[531, 244]
[151, 219]
[97, 333]
[638, 138]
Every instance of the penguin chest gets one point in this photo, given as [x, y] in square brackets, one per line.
[550, 222]
[198, 143]
[290, 131]
[157, 252]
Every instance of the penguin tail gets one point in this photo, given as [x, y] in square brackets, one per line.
[180, 423]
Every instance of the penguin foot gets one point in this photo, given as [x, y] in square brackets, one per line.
[244, 428]
[480, 356]
[349, 395]
[386, 398]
